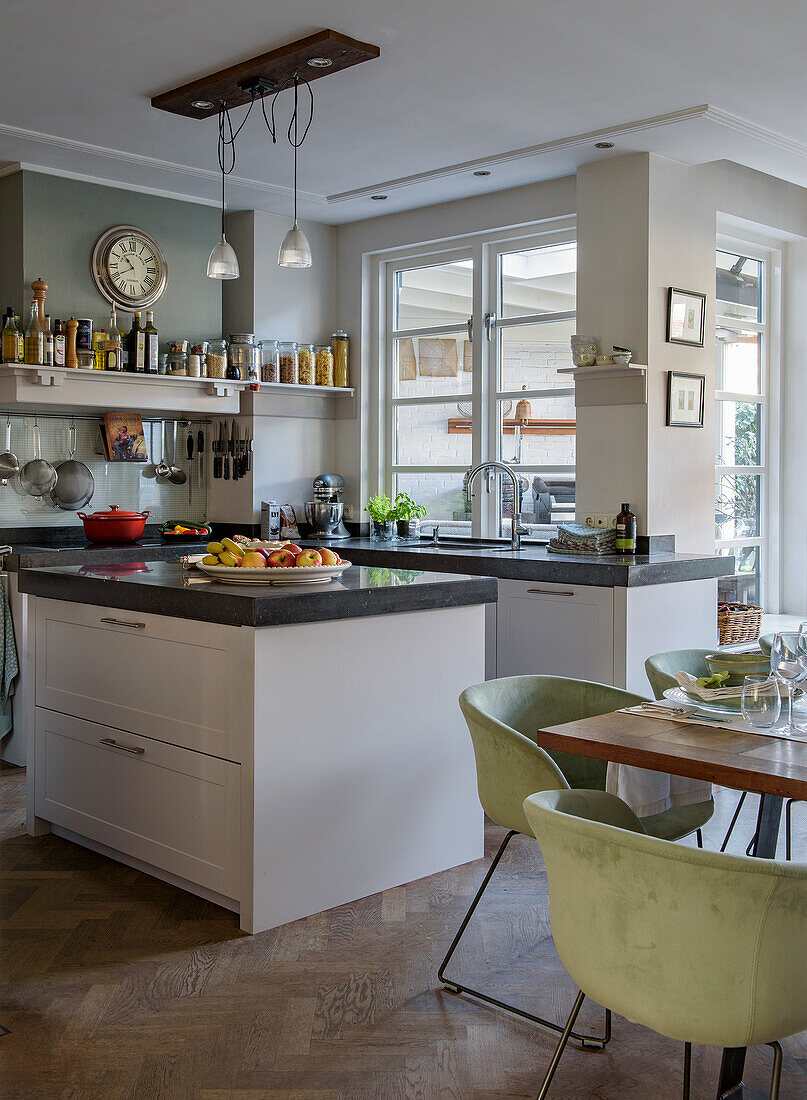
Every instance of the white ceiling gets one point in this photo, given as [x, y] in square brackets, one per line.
[522, 87]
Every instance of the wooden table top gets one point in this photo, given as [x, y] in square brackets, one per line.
[745, 761]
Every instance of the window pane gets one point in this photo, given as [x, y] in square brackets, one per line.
[443, 496]
[738, 360]
[744, 584]
[737, 506]
[739, 427]
[537, 432]
[432, 435]
[739, 286]
[538, 280]
[439, 295]
[530, 355]
[427, 365]
[546, 498]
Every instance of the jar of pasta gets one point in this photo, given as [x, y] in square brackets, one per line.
[270, 361]
[339, 345]
[289, 364]
[323, 365]
[305, 357]
[216, 359]
[178, 363]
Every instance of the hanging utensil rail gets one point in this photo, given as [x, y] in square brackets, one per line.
[22, 415]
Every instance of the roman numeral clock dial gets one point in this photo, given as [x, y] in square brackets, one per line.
[128, 267]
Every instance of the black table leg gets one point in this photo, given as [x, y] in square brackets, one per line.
[733, 1064]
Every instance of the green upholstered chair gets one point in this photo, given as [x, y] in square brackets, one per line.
[699, 946]
[766, 643]
[661, 669]
[503, 717]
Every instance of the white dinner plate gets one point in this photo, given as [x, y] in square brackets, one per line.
[309, 574]
[680, 698]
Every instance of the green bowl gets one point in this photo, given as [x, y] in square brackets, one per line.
[738, 665]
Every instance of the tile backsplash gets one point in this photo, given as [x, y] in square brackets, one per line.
[115, 482]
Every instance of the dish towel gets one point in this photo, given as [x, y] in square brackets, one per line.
[576, 538]
[8, 651]
[649, 793]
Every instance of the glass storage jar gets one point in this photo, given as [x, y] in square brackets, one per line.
[289, 364]
[323, 365]
[178, 364]
[305, 358]
[339, 345]
[270, 361]
[243, 356]
[216, 359]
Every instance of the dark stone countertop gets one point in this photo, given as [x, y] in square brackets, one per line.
[27, 555]
[165, 588]
[536, 563]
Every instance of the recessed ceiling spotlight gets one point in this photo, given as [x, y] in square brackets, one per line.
[603, 145]
[202, 105]
[482, 172]
[378, 198]
[319, 62]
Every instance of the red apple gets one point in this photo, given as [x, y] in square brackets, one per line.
[328, 556]
[307, 558]
[252, 560]
[293, 547]
[281, 559]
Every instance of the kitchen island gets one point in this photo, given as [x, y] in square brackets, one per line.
[278, 751]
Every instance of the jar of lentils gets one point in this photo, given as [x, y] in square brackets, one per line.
[289, 364]
[216, 359]
[305, 357]
[270, 361]
[323, 365]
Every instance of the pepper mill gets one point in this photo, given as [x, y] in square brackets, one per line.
[70, 357]
[40, 289]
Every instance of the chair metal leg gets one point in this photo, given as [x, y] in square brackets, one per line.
[777, 1069]
[699, 838]
[727, 837]
[788, 822]
[559, 1049]
[595, 1042]
[687, 1070]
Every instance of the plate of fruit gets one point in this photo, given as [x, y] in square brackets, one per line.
[240, 562]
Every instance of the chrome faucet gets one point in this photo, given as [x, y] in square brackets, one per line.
[518, 530]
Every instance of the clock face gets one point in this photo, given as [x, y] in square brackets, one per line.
[128, 267]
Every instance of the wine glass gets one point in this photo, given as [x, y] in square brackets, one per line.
[761, 702]
[789, 666]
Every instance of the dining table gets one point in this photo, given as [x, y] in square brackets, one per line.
[774, 766]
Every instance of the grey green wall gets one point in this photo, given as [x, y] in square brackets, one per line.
[62, 219]
[11, 241]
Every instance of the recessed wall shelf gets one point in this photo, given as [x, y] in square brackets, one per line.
[80, 391]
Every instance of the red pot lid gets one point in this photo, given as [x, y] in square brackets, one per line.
[116, 512]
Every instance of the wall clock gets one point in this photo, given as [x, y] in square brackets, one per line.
[128, 267]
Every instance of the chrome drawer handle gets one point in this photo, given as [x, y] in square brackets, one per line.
[548, 592]
[122, 622]
[110, 743]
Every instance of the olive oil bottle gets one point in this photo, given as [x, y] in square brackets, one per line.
[152, 337]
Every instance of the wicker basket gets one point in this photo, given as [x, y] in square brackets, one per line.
[738, 622]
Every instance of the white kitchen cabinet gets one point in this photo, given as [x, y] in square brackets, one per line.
[555, 630]
[160, 677]
[162, 805]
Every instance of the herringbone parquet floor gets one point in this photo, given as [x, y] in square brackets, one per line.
[116, 985]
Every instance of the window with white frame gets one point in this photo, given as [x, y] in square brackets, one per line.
[743, 389]
[475, 338]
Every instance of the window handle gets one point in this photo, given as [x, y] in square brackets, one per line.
[490, 325]
[470, 325]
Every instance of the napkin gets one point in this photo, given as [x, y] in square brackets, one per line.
[690, 684]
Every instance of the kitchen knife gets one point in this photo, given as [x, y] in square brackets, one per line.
[234, 445]
[248, 455]
[189, 452]
[217, 448]
[200, 451]
[225, 458]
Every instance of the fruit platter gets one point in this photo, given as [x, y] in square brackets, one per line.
[240, 560]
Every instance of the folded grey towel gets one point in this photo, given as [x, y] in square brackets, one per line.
[8, 651]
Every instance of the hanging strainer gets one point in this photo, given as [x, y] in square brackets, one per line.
[37, 477]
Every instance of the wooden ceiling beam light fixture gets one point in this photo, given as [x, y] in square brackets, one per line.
[316, 56]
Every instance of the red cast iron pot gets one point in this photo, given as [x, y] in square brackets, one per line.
[114, 525]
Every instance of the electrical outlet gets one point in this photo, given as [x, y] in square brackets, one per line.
[599, 519]
[347, 512]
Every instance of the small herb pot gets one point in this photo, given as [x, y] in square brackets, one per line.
[382, 530]
[409, 530]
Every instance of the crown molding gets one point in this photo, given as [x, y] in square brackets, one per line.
[757, 133]
[555, 146]
[153, 164]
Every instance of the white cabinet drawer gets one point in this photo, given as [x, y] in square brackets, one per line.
[177, 680]
[175, 809]
[555, 630]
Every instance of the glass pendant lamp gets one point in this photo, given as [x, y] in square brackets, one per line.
[223, 262]
[295, 251]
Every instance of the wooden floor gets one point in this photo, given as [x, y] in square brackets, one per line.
[118, 986]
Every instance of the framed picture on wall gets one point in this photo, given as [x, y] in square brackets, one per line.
[685, 395]
[686, 317]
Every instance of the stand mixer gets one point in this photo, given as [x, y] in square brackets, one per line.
[324, 514]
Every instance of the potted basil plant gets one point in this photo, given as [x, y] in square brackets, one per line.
[382, 518]
[408, 515]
